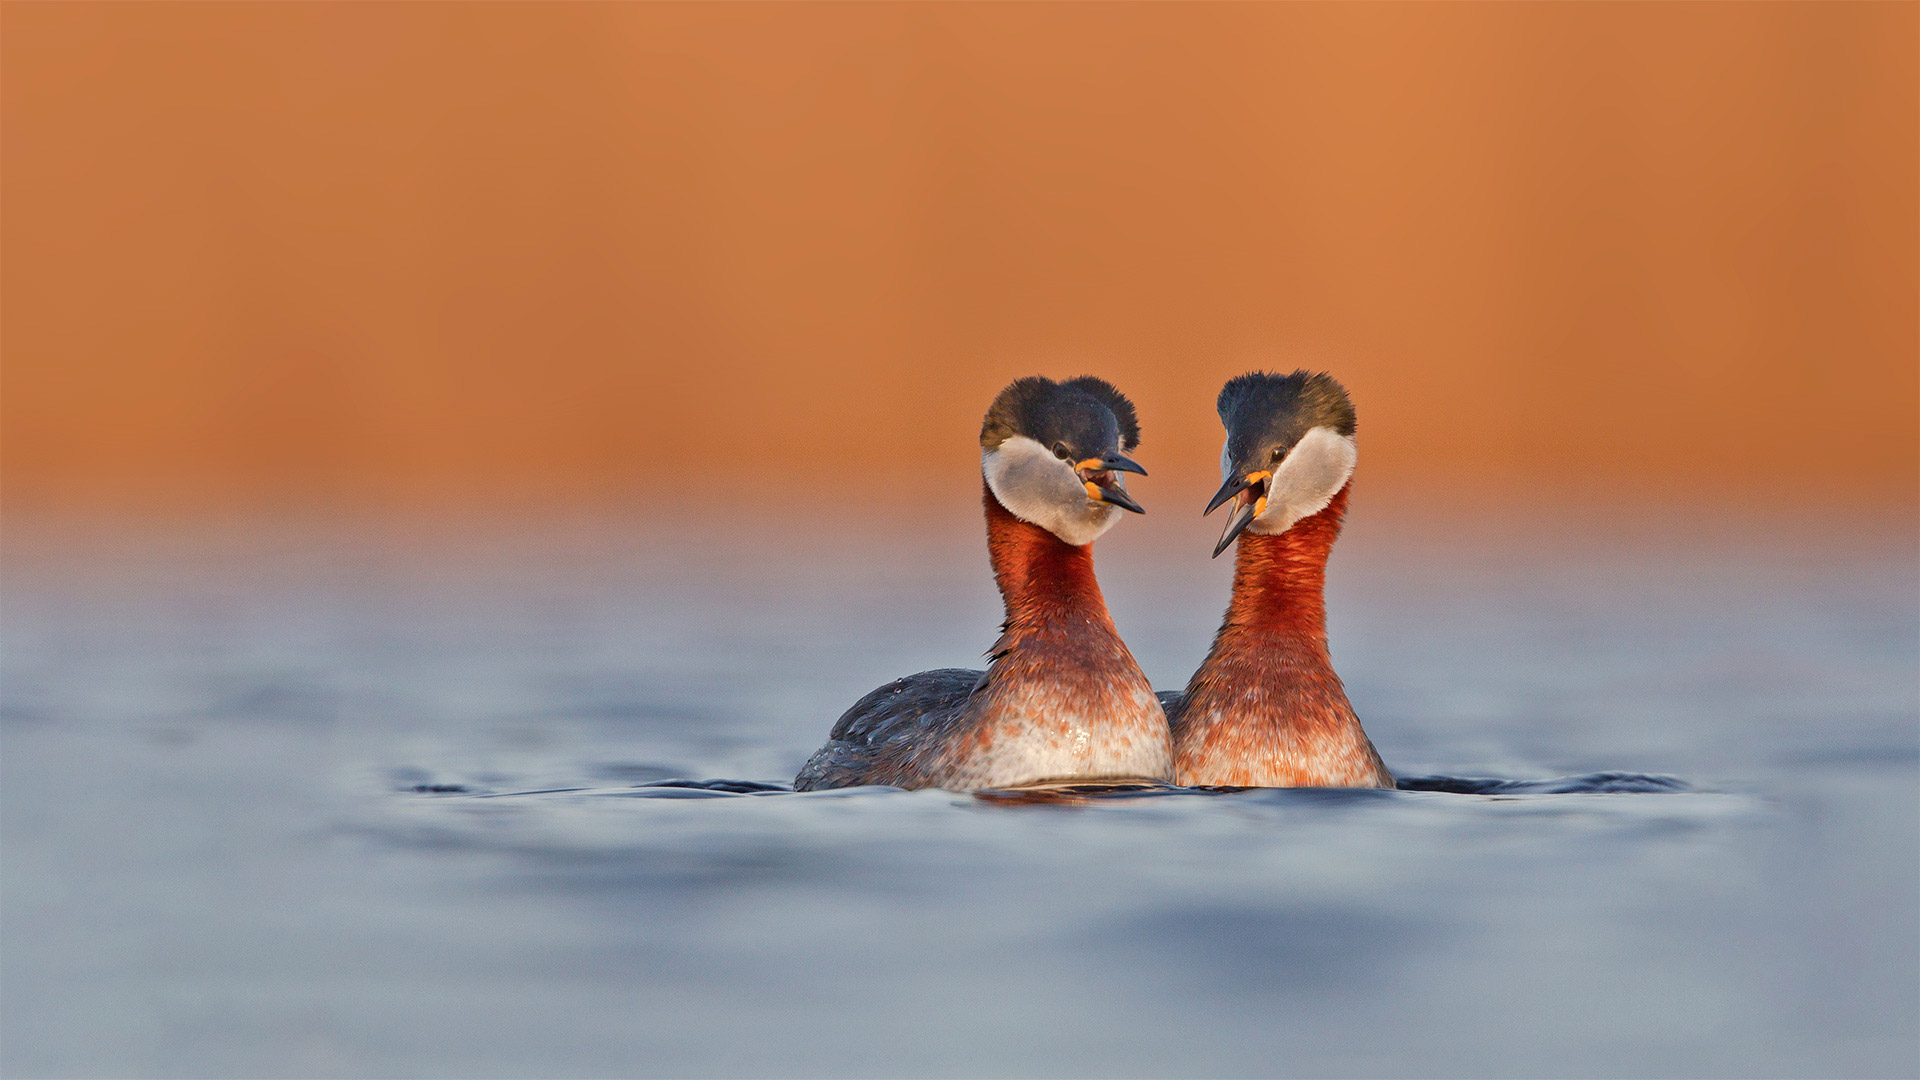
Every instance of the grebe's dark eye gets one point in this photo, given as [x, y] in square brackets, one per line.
[1278, 454]
[1060, 451]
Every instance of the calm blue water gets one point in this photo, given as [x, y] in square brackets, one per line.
[313, 796]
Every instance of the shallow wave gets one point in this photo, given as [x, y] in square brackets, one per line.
[1600, 783]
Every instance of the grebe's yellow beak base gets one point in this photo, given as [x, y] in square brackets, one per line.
[1102, 486]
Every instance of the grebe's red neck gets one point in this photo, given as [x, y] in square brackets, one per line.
[1062, 696]
[1279, 585]
[1266, 708]
[1047, 584]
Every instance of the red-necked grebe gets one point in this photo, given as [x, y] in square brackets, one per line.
[1265, 709]
[1062, 698]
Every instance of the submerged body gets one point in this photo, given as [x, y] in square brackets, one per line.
[1265, 709]
[1061, 698]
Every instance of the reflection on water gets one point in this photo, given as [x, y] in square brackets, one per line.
[326, 799]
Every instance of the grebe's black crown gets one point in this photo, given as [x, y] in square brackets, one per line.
[1263, 412]
[1087, 416]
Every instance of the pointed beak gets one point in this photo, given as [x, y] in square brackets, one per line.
[1115, 494]
[1228, 490]
[1114, 462]
[1244, 512]
[1247, 502]
[1232, 487]
[1103, 486]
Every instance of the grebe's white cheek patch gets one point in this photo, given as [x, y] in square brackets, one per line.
[1037, 487]
[1312, 474]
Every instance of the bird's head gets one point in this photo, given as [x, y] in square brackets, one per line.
[1289, 450]
[1052, 453]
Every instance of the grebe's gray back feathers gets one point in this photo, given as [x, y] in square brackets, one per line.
[879, 739]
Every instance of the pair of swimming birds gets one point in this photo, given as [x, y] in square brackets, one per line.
[1062, 699]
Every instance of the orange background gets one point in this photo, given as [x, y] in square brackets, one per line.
[338, 249]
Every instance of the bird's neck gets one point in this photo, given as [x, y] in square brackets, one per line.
[1279, 591]
[1266, 708]
[1062, 697]
[1046, 583]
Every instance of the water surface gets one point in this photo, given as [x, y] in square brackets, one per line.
[319, 796]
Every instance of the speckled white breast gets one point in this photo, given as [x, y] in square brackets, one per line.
[1051, 732]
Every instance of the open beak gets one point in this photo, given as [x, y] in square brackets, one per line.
[1103, 486]
[1248, 496]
